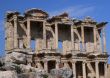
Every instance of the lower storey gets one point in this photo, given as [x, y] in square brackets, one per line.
[81, 69]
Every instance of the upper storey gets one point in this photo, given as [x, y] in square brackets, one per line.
[60, 32]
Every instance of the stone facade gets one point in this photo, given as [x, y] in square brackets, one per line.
[56, 43]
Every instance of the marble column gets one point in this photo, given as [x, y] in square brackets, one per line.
[15, 32]
[95, 43]
[84, 69]
[56, 34]
[74, 69]
[28, 34]
[97, 69]
[82, 35]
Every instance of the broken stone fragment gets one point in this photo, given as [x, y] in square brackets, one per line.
[8, 74]
[62, 72]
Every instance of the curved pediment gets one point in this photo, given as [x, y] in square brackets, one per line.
[36, 13]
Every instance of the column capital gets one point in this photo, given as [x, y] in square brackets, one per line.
[105, 63]
[95, 27]
[28, 19]
[45, 60]
[15, 17]
[58, 61]
[84, 62]
[97, 62]
[65, 61]
[74, 61]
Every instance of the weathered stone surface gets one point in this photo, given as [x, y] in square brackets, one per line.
[8, 74]
[18, 58]
[63, 72]
[32, 72]
[2, 61]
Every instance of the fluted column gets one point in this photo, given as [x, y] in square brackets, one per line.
[95, 43]
[74, 69]
[28, 34]
[82, 35]
[15, 32]
[97, 69]
[84, 69]
[56, 35]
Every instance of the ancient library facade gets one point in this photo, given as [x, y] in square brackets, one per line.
[57, 42]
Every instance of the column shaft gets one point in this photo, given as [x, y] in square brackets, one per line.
[95, 44]
[74, 69]
[57, 65]
[72, 37]
[46, 66]
[44, 35]
[39, 65]
[97, 69]
[56, 35]
[28, 34]
[84, 70]
[15, 32]
[82, 35]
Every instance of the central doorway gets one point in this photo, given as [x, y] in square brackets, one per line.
[51, 65]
